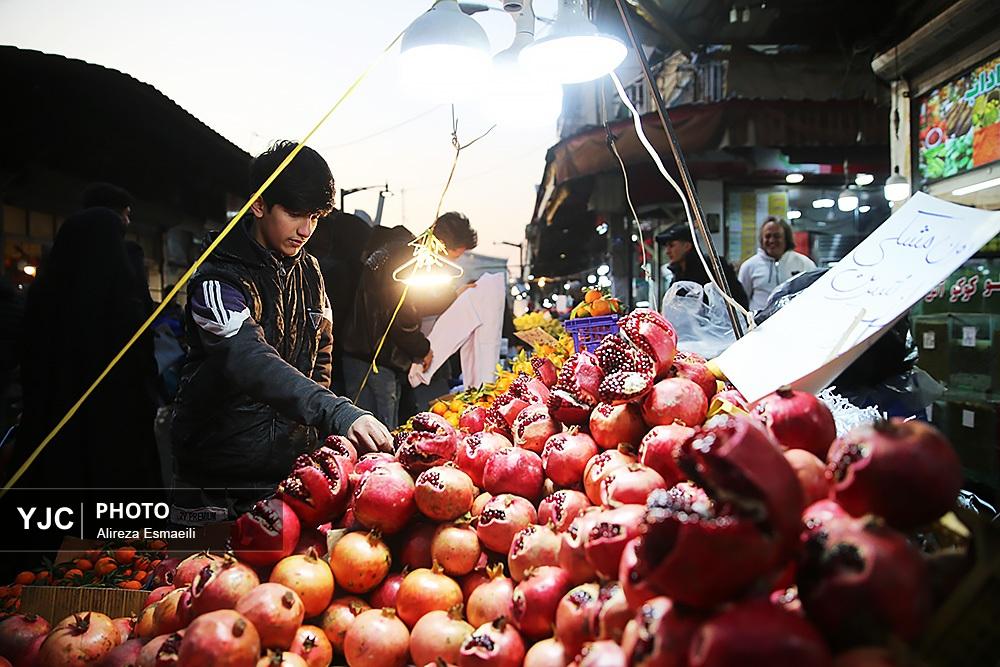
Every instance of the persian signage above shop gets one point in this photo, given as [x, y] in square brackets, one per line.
[960, 123]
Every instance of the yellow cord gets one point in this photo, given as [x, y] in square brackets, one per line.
[194, 267]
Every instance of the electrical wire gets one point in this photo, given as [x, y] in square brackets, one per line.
[637, 122]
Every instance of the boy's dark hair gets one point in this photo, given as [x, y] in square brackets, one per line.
[107, 195]
[304, 187]
[455, 231]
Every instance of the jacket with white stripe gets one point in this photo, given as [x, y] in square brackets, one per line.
[254, 393]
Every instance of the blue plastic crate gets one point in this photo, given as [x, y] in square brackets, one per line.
[588, 332]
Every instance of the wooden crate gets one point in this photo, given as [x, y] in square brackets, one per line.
[54, 603]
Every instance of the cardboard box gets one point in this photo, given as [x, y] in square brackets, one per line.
[54, 603]
[972, 423]
[974, 347]
[932, 335]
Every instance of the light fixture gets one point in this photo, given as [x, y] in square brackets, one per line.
[514, 291]
[602, 229]
[531, 276]
[547, 303]
[794, 178]
[635, 238]
[445, 54]
[603, 270]
[429, 265]
[541, 282]
[574, 51]
[864, 209]
[897, 188]
[976, 187]
[848, 200]
[794, 215]
[30, 270]
[566, 286]
[591, 279]
[604, 281]
[824, 202]
[734, 14]
[745, 17]
[861, 180]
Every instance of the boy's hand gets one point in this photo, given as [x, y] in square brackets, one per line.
[426, 361]
[370, 435]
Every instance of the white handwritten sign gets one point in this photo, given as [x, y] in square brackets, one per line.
[811, 340]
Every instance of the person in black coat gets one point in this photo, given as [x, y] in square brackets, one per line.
[80, 312]
[685, 264]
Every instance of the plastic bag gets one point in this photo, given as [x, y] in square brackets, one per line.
[700, 317]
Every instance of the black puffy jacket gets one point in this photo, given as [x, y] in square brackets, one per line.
[254, 392]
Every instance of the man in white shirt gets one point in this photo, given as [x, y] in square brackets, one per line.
[774, 263]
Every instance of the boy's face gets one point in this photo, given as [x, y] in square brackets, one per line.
[281, 231]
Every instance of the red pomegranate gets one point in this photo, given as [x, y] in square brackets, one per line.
[359, 561]
[337, 619]
[547, 653]
[18, 632]
[604, 653]
[573, 617]
[659, 635]
[415, 546]
[276, 611]
[545, 370]
[903, 471]
[157, 594]
[312, 538]
[659, 449]
[493, 644]
[755, 632]
[281, 659]
[732, 397]
[652, 334]
[432, 442]
[343, 448]
[170, 614]
[565, 457]
[312, 645]
[161, 651]
[675, 400]
[262, 536]
[439, 635]
[560, 508]
[576, 389]
[614, 425]
[609, 533]
[221, 637]
[220, 586]
[479, 576]
[869, 656]
[693, 367]
[145, 628]
[370, 461]
[318, 488]
[637, 590]
[189, 568]
[628, 373]
[533, 546]
[125, 654]
[424, 591]
[797, 420]
[572, 556]
[125, 626]
[533, 427]
[476, 450]
[536, 599]
[456, 548]
[611, 613]
[480, 502]
[599, 466]
[492, 599]
[384, 498]
[384, 595]
[507, 406]
[743, 522]
[811, 473]
[473, 419]
[861, 581]
[377, 639]
[495, 421]
[444, 493]
[529, 388]
[514, 470]
[630, 484]
[500, 520]
[309, 576]
[819, 513]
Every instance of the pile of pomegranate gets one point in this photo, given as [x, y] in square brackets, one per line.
[594, 516]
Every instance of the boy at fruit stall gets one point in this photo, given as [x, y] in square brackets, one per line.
[686, 265]
[254, 392]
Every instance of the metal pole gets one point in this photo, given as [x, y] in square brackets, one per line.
[697, 213]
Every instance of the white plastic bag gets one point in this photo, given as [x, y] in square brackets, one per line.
[700, 317]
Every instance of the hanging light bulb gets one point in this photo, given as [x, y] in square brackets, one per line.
[429, 264]
[848, 200]
[445, 55]
[897, 188]
[574, 51]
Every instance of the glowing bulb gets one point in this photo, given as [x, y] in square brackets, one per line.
[794, 178]
[825, 202]
[30, 270]
[862, 180]
[897, 188]
[591, 279]
[574, 51]
[794, 215]
[847, 201]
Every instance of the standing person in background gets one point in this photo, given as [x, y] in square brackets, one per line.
[686, 265]
[376, 300]
[774, 263]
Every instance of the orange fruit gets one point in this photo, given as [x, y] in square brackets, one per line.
[25, 578]
[83, 564]
[131, 585]
[140, 576]
[157, 545]
[600, 307]
[439, 408]
[70, 574]
[591, 296]
[125, 555]
[106, 565]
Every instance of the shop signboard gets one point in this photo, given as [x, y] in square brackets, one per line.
[960, 123]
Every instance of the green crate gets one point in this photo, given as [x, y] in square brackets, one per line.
[931, 334]
[972, 423]
[973, 352]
